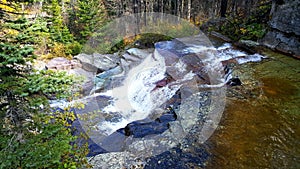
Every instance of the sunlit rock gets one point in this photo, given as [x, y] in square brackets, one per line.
[97, 62]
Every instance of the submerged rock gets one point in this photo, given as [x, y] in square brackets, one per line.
[178, 159]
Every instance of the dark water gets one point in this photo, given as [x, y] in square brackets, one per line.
[260, 127]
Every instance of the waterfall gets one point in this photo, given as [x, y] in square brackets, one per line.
[146, 85]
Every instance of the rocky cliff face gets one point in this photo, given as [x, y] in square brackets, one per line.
[284, 34]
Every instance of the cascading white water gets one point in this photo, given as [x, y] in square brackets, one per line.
[226, 52]
[136, 99]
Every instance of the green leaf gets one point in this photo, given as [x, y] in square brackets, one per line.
[24, 94]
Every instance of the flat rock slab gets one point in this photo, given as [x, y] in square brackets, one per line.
[61, 63]
[97, 62]
[141, 53]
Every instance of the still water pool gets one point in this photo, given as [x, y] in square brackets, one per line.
[260, 127]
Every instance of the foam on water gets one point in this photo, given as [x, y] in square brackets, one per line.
[107, 127]
[251, 58]
[196, 49]
[136, 99]
[226, 52]
[224, 46]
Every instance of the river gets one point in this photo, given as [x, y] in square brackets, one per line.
[260, 127]
[256, 127]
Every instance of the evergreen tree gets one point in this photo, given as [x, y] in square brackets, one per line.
[86, 16]
[31, 134]
[59, 31]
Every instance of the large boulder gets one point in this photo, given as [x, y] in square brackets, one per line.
[88, 79]
[61, 63]
[284, 34]
[286, 18]
[282, 42]
[140, 53]
[98, 62]
[39, 65]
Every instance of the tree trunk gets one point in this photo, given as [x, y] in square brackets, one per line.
[233, 8]
[162, 6]
[144, 13]
[135, 6]
[246, 7]
[171, 7]
[223, 8]
[178, 8]
[121, 8]
[189, 10]
[182, 8]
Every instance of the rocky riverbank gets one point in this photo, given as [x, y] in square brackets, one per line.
[279, 31]
[284, 33]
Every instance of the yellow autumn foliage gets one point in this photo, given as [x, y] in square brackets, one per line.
[5, 6]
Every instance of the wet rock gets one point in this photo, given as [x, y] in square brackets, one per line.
[175, 101]
[234, 82]
[142, 128]
[227, 68]
[163, 82]
[180, 57]
[178, 159]
[132, 58]
[141, 53]
[93, 104]
[220, 36]
[156, 123]
[247, 46]
[249, 43]
[103, 79]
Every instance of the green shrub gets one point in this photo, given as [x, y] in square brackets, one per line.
[31, 135]
[73, 48]
[45, 145]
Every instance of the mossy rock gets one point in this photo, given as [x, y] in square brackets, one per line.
[149, 39]
[141, 41]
